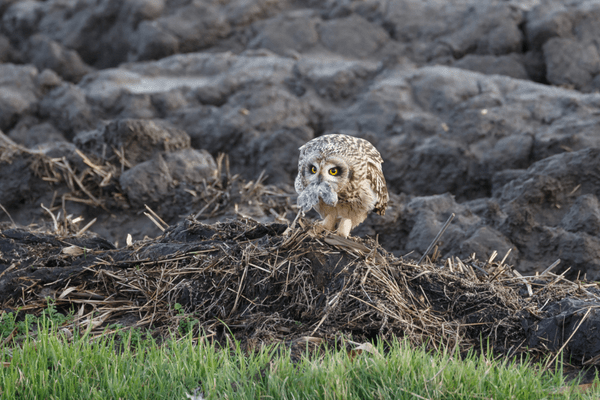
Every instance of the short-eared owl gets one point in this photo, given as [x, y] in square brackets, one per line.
[341, 177]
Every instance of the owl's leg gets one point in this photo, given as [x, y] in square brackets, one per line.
[329, 222]
[344, 227]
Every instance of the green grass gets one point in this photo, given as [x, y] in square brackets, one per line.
[47, 366]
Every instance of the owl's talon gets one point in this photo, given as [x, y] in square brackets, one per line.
[328, 223]
[344, 227]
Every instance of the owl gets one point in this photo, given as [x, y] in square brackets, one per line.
[340, 177]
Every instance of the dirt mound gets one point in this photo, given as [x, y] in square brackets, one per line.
[266, 283]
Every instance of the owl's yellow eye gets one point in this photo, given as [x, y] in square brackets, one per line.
[333, 171]
[313, 169]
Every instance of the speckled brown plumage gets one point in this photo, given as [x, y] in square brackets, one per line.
[357, 187]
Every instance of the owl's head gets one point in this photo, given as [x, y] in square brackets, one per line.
[321, 177]
[332, 166]
[331, 169]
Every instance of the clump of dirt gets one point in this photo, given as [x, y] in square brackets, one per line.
[265, 283]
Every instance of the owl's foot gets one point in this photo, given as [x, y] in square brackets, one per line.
[329, 222]
[344, 227]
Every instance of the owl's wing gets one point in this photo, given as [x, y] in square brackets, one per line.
[299, 183]
[377, 180]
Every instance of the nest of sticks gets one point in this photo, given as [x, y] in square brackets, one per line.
[265, 283]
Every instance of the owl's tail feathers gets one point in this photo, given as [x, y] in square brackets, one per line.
[382, 203]
[380, 210]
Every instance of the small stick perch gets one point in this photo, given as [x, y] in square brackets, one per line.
[550, 268]
[441, 232]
